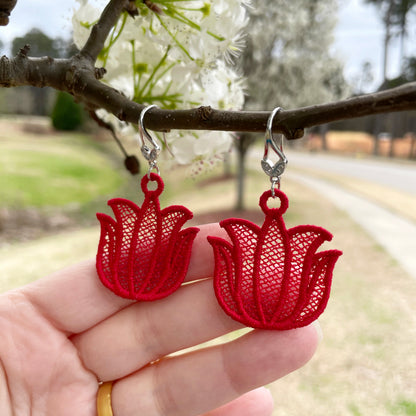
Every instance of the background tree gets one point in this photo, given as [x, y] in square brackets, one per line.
[40, 45]
[287, 61]
[409, 70]
[66, 113]
[363, 79]
[401, 11]
[398, 125]
[394, 14]
[385, 8]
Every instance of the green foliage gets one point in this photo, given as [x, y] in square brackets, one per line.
[404, 407]
[41, 44]
[408, 75]
[66, 114]
[353, 408]
[60, 170]
[410, 69]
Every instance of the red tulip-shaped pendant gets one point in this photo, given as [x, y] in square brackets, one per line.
[271, 277]
[143, 254]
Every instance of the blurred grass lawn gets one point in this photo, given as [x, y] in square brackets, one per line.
[53, 171]
[366, 364]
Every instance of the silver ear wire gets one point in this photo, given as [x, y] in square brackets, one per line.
[150, 153]
[271, 169]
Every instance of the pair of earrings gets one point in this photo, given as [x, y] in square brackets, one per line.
[267, 277]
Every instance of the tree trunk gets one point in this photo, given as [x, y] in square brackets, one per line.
[323, 130]
[241, 161]
[227, 165]
[40, 98]
[391, 148]
[402, 49]
[242, 145]
[406, 7]
[376, 132]
[385, 54]
[412, 147]
[387, 37]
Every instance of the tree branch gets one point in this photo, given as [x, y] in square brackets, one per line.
[102, 28]
[6, 7]
[289, 122]
[71, 76]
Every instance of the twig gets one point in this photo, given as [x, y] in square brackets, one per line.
[108, 126]
[131, 162]
[102, 28]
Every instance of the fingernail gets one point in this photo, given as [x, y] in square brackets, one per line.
[318, 330]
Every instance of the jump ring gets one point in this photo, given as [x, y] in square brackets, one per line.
[274, 180]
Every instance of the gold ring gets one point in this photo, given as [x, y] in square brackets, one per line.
[104, 399]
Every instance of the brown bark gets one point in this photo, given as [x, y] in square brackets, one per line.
[79, 77]
[6, 6]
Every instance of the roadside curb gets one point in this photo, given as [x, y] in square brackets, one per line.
[395, 234]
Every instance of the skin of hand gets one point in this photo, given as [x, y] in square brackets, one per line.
[61, 335]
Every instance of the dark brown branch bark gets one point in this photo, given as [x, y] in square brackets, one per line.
[6, 7]
[290, 122]
[72, 76]
[102, 28]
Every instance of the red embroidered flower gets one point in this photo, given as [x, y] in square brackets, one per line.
[271, 277]
[143, 254]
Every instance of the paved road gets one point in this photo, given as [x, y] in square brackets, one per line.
[396, 175]
[395, 233]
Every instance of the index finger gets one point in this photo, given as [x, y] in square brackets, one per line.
[75, 300]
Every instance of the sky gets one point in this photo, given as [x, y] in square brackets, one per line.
[358, 34]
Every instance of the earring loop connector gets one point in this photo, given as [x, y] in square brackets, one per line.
[273, 170]
[149, 153]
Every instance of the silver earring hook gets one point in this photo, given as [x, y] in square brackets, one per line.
[271, 169]
[150, 153]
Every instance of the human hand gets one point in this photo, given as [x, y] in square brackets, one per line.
[63, 334]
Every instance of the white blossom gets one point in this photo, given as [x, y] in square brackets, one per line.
[206, 146]
[176, 63]
[82, 21]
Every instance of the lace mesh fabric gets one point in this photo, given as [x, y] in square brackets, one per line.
[271, 277]
[143, 254]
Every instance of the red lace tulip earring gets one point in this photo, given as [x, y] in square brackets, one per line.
[271, 277]
[143, 254]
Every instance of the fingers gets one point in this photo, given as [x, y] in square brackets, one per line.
[195, 383]
[145, 332]
[258, 402]
[74, 299]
